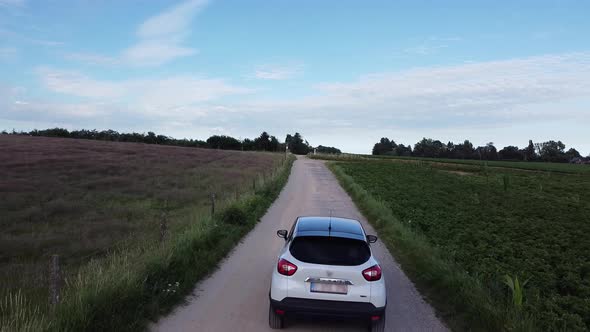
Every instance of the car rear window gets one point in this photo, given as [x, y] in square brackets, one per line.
[330, 250]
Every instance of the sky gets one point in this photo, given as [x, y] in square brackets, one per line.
[342, 73]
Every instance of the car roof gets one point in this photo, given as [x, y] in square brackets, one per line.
[329, 226]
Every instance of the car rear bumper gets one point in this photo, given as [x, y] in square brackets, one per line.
[292, 305]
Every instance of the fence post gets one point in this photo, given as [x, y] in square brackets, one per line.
[213, 204]
[254, 183]
[163, 227]
[54, 280]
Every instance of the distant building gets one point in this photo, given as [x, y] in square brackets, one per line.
[580, 161]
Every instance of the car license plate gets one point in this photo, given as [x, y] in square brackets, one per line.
[318, 287]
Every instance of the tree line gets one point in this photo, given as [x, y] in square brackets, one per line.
[265, 142]
[551, 151]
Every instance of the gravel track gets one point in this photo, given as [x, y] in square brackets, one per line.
[235, 297]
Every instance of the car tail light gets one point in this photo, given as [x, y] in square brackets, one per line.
[286, 268]
[373, 273]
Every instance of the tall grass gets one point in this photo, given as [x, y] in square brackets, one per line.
[17, 313]
[462, 301]
[517, 289]
[122, 291]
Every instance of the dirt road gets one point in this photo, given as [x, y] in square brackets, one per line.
[235, 297]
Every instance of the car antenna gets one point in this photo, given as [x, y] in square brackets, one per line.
[330, 224]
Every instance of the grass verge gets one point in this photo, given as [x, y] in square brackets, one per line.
[134, 284]
[462, 301]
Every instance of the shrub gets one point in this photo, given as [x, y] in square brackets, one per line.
[234, 215]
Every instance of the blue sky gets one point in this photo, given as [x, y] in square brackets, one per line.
[342, 73]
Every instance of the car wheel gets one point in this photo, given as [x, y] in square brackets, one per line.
[275, 321]
[378, 325]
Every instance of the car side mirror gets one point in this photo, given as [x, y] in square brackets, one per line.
[371, 238]
[282, 233]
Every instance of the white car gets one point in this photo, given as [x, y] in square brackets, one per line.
[326, 268]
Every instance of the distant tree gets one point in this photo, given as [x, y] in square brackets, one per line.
[224, 142]
[161, 139]
[529, 152]
[510, 153]
[487, 152]
[281, 147]
[328, 149]
[297, 145]
[150, 138]
[429, 148]
[402, 150]
[262, 142]
[465, 150]
[421, 148]
[107, 135]
[450, 150]
[112, 135]
[384, 146]
[438, 148]
[274, 144]
[538, 149]
[54, 132]
[572, 153]
[248, 145]
[552, 151]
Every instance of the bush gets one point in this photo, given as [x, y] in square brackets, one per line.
[234, 215]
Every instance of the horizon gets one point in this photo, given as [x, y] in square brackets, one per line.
[240, 139]
[343, 74]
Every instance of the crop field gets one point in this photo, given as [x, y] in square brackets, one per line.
[492, 223]
[535, 166]
[81, 199]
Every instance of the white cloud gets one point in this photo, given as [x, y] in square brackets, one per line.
[156, 96]
[10, 3]
[445, 39]
[161, 39]
[277, 72]
[8, 53]
[429, 46]
[76, 84]
[148, 53]
[172, 22]
[424, 49]
[453, 96]
[501, 101]
[469, 99]
[476, 89]
[93, 59]
[162, 36]
[42, 42]
[45, 42]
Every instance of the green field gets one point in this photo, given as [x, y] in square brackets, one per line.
[534, 166]
[482, 224]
